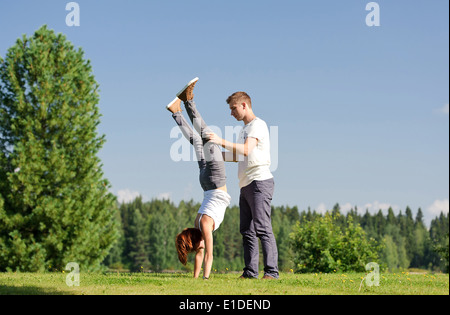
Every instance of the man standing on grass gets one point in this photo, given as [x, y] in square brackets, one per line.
[252, 152]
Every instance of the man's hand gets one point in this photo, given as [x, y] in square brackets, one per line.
[214, 138]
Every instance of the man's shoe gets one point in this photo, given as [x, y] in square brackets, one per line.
[187, 93]
[267, 277]
[174, 106]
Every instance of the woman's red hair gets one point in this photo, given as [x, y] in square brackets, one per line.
[187, 242]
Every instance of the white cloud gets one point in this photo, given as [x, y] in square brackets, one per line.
[442, 110]
[322, 208]
[164, 196]
[373, 207]
[438, 206]
[126, 195]
[376, 206]
[346, 207]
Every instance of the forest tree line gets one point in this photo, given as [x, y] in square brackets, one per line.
[148, 230]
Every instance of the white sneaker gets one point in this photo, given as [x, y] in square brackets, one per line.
[174, 106]
[186, 94]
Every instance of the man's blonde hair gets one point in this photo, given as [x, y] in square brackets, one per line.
[239, 97]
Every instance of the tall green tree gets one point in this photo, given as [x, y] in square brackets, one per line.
[421, 241]
[439, 234]
[138, 242]
[408, 233]
[394, 253]
[390, 253]
[1, 203]
[57, 208]
[443, 251]
[161, 240]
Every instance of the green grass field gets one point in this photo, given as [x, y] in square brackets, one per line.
[222, 284]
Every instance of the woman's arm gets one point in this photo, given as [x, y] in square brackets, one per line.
[200, 252]
[198, 262]
[207, 224]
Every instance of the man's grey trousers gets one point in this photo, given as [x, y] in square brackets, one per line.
[255, 212]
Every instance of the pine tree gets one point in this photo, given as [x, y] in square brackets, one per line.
[389, 254]
[1, 205]
[394, 241]
[391, 217]
[422, 242]
[408, 233]
[57, 208]
[138, 242]
[161, 240]
[114, 259]
[439, 234]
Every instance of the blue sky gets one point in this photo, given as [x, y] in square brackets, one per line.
[362, 112]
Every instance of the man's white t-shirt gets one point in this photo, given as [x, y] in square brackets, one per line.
[256, 166]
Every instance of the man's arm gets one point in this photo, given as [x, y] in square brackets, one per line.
[235, 148]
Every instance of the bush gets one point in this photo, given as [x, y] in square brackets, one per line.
[323, 245]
